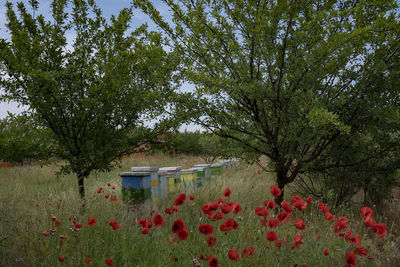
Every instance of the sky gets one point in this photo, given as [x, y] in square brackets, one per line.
[109, 7]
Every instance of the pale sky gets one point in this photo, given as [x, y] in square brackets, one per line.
[109, 7]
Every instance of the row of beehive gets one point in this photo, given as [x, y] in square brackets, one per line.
[143, 183]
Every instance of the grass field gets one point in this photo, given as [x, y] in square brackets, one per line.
[31, 195]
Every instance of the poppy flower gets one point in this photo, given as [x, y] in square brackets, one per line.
[361, 251]
[213, 205]
[356, 240]
[245, 253]
[369, 222]
[236, 208]
[227, 207]
[309, 200]
[53, 218]
[63, 237]
[271, 236]
[340, 224]
[275, 191]
[299, 224]
[213, 262]
[283, 217]
[365, 212]
[60, 258]
[218, 216]
[286, 206]
[227, 192]
[114, 199]
[201, 257]
[259, 172]
[206, 229]
[326, 252]
[45, 233]
[88, 261]
[269, 204]
[114, 225]
[109, 262]
[57, 223]
[149, 223]
[295, 199]
[350, 259]
[168, 211]
[211, 241]
[297, 241]
[113, 187]
[78, 225]
[329, 216]
[183, 234]
[261, 212]
[177, 226]
[145, 230]
[380, 228]
[37, 204]
[142, 222]
[272, 223]
[229, 224]
[278, 243]
[300, 205]
[395, 200]
[158, 220]
[108, 184]
[179, 200]
[321, 206]
[99, 190]
[233, 254]
[191, 197]
[106, 195]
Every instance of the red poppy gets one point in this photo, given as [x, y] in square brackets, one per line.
[309, 200]
[99, 190]
[365, 212]
[46, 233]
[60, 258]
[259, 172]
[229, 224]
[286, 206]
[206, 209]
[109, 262]
[114, 225]
[299, 224]
[227, 193]
[233, 254]
[106, 195]
[295, 199]
[211, 241]
[369, 222]
[283, 217]
[271, 236]
[245, 253]
[213, 262]
[380, 228]
[201, 257]
[113, 187]
[300, 205]
[278, 243]
[297, 241]
[158, 220]
[269, 204]
[180, 200]
[57, 223]
[191, 197]
[175, 259]
[261, 212]
[206, 229]
[183, 234]
[114, 199]
[88, 261]
[350, 259]
[209, 257]
[321, 206]
[142, 222]
[177, 226]
[236, 208]
[78, 225]
[37, 204]
[356, 240]
[329, 216]
[145, 230]
[275, 191]
[168, 211]
[218, 216]
[227, 207]
[213, 205]
[108, 184]
[361, 251]
[63, 237]
[53, 218]
[149, 223]
[272, 223]
[340, 224]
[326, 252]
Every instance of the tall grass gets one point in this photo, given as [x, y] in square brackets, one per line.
[23, 223]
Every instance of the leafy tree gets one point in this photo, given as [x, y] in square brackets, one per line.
[212, 147]
[290, 79]
[94, 93]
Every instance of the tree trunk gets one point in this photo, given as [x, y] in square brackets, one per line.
[81, 185]
[281, 180]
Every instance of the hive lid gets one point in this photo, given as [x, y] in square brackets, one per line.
[171, 169]
[218, 164]
[144, 169]
[203, 165]
[191, 170]
[134, 174]
[162, 172]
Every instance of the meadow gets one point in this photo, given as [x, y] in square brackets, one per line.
[43, 223]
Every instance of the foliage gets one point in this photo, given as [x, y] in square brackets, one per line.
[289, 79]
[22, 140]
[94, 93]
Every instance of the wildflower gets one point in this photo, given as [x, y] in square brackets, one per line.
[106, 195]
[99, 190]
[326, 252]
[53, 218]
[149, 223]
[295, 199]
[60, 258]
[158, 220]
[269, 204]
[183, 234]
[283, 217]
[236, 208]
[300, 205]
[177, 226]
[227, 207]
[227, 192]
[259, 172]
[380, 228]
[108, 184]
[213, 262]
[271, 236]
[309, 200]
[329, 216]
[37, 204]
[113, 187]
[179, 200]
[145, 230]
[365, 212]
[299, 224]
[278, 243]
[211, 241]
[213, 205]
[272, 223]
[88, 261]
[63, 236]
[275, 191]
[233, 254]
[78, 225]
[191, 197]
[114, 199]
[206, 229]
[297, 240]
[91, 221]
[57, 223]
[361, 251]
[340, 224]
[168, 211]
[114, 225]
[109, 262]
[286, 206]
[229, 224]
[350, 259]
[46, 233]
[218, 216]
[261, 212]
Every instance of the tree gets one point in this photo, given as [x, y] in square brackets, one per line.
[290, 79]
[94, 92]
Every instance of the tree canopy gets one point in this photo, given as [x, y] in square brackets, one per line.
[93, 92]
[296, 81]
